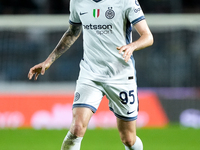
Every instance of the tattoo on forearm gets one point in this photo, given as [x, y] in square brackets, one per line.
[66, 41]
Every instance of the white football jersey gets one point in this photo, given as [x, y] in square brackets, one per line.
[106, 25]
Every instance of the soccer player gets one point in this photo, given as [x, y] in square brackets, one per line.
[107, 67]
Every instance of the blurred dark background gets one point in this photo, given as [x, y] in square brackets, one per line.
[62, 6]
[173, 60]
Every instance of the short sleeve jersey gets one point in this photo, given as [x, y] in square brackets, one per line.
[106, 25]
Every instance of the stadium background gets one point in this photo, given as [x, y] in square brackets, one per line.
[168, 73]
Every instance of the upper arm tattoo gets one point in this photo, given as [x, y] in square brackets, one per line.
[69, 37]
[75, 30]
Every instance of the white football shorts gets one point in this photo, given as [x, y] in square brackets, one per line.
[123, 98]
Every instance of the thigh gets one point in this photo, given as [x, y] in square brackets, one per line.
[81, 118]
[127, 130]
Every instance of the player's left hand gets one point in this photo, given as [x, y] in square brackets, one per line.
[128, 51]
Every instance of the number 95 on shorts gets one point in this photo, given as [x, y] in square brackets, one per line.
[123, 100]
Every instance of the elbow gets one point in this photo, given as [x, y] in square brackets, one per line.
[151, 40]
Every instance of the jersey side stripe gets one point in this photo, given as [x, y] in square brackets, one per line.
[128, 32]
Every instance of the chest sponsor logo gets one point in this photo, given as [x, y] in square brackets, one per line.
[100, 29]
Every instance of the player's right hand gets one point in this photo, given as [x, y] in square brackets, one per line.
[37, 69]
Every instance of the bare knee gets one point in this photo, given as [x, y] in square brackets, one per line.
[81, 117]
[78, 129]
[127, 131]
[128, 140]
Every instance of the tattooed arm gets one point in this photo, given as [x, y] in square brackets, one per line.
[69, 37]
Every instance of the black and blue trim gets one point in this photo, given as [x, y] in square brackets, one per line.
[128, 32]
[122, 117]
[85, 105]
[138, 20]
[97, 0]
[74, 23]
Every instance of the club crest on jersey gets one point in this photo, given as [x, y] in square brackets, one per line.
[96, 13]
[110, 13]
[77, 96]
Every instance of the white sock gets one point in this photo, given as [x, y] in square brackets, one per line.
[71, 142]
[137, 146]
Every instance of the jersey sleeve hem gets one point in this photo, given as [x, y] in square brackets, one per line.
[75, 23]
[138, 20]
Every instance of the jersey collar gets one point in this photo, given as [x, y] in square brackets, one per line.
[97, 0]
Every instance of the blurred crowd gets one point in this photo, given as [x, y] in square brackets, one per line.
[62, 6]
[34, 6]
[174, 55]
